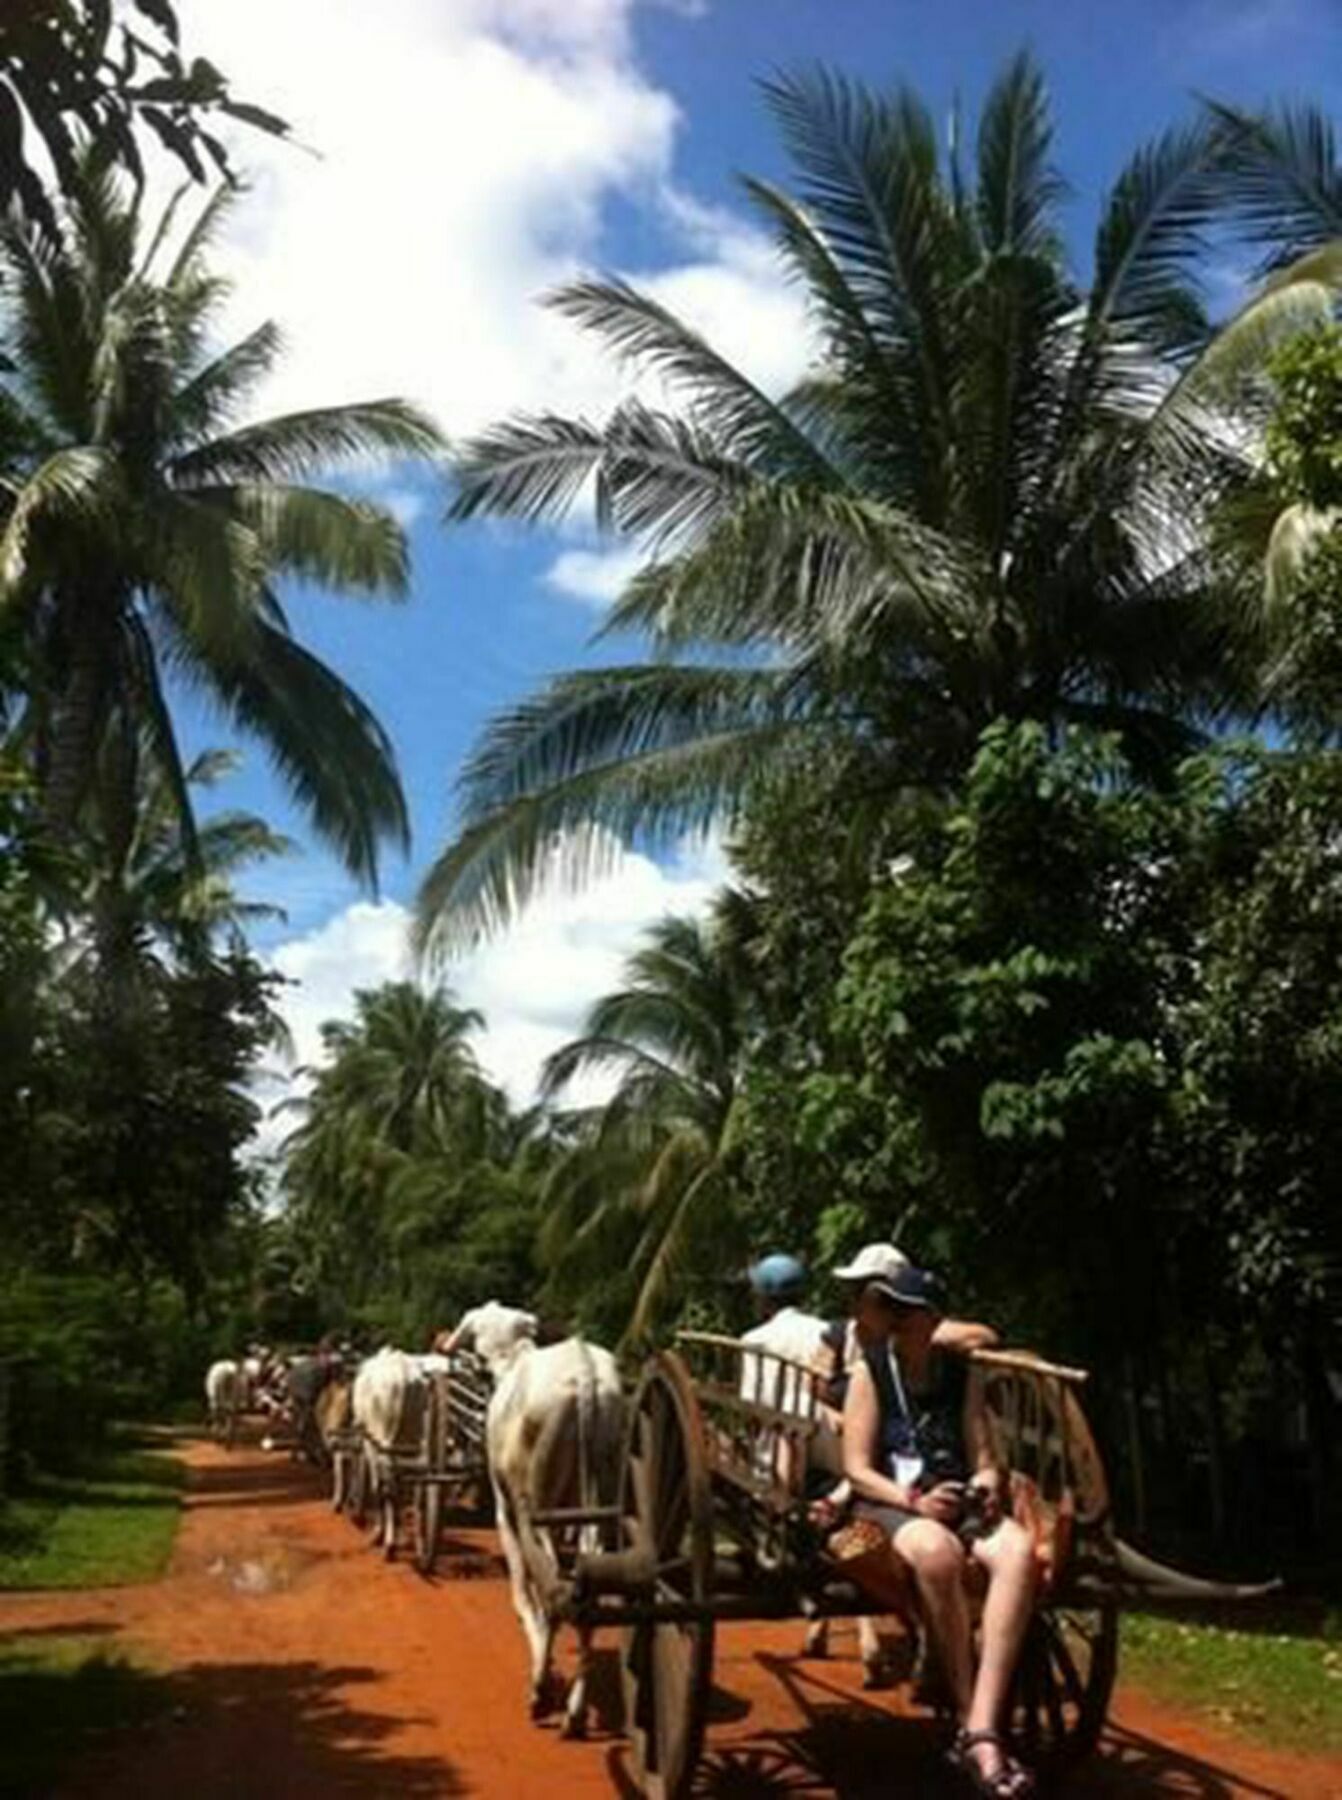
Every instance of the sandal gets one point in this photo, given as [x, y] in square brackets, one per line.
[1011, 1782]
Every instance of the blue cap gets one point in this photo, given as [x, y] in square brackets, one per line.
[777, 1277]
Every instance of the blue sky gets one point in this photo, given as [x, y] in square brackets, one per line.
[472, 151]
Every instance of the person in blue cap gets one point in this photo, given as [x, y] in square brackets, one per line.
[779, 1284]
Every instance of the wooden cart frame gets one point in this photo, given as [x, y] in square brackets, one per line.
[711, 1525]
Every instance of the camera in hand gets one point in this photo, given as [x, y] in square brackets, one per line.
[976, 1516]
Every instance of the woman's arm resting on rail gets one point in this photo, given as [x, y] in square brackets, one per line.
[962, 1335]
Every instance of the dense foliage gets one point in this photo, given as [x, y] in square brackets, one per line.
[412, 1187]
[148, 516]
[72, 71]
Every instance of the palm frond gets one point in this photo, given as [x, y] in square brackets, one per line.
[1282, 176]
[211, 397]
[739, 417]
[1297, 531]
[1018, 187]
[1152, 232]
[869, 174]
[607, 758]
[596, 1055]
[350, 546]
[72, 489]
[530, 468]
[299, 444]
[334, 757]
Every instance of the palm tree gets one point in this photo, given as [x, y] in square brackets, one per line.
[396, 1128]
[1288, 197]
[644, 1198]
[144, 529]
[986, 500]
[138, 887]
[405, 1065]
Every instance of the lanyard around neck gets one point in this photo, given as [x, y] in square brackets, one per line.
[900, 1394]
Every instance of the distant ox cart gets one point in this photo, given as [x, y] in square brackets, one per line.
[435, 1458]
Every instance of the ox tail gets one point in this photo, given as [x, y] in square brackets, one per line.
[600, 1443]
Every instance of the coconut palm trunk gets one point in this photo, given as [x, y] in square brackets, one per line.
[79, 712]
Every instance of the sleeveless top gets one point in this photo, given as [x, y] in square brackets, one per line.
[928, 1425]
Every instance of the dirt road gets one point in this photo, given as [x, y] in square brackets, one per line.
[304, 1667]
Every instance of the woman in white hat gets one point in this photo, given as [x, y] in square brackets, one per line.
[921, 1467]
[842, 1345]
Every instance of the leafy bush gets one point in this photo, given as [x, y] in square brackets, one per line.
[85, 1350]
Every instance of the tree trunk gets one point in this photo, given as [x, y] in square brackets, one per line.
[79, 710]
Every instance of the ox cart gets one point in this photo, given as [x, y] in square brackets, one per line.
[712, 1524]
[437, 1457]
[453, 1462]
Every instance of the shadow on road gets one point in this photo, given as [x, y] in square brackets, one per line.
[857, 1750]
[255, 1483]
[211, 1732]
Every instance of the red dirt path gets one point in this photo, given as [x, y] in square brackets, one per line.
[304, 1667]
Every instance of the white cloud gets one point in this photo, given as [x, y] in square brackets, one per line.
[466, 152]
[358, 948]
[405, 504]
[533, 983]
[596, 577]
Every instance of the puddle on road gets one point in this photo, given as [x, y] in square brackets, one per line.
[273, 1569]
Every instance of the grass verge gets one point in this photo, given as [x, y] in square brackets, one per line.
[106, 1526]
[60, 1696]
[1277, 1681]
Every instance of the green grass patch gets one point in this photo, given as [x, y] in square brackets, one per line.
[61, 1695]
[108, 1525]
[1278, 1681]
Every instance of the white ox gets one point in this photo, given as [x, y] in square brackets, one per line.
[224, 1385]
[387, 1404]
[554, 1430]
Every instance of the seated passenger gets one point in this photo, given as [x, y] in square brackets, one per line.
[492, 1331]
[778, 1283]
[917, 1454]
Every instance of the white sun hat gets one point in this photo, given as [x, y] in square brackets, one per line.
[872, 1263]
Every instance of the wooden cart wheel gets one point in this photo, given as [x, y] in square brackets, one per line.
[428, 1525]
[357, 1498]
[666, 1505]
[429, 1494]
[1064, 1681]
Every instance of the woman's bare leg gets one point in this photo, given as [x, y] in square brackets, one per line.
[1008, 1556]
[938, 1563]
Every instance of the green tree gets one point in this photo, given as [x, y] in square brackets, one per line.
[1084, 1056]
[986, 500]
[1293, 521]
[143, 528]
[409, 1184]
[71, 73]
[139, 893]
[641, 1210]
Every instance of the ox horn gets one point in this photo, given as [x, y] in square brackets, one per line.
[1151, 1580]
